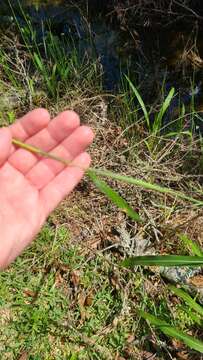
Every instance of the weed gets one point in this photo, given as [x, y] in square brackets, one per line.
[68, 296]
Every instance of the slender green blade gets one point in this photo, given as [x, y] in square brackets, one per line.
[141, 102]
[114, 196]
[38, 62]
[187, 298]
[173, 332]
[164, 107]
[163, 260]
[109, 174]
[146, 185]
[191, 245]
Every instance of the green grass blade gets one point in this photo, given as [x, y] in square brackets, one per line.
[191, 245]
[38, 62]
[146, 185]
[187, 298]
[109, 174]
[173, 332]
[141, 102]
[164, 107]
[114, 196]
[163, 260]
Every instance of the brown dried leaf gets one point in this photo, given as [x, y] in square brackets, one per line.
[81, 299]
[89, 299]
[196, 281]
[130, 338]
[29, 293]
[63, 268]
[58, 279]
[81, 303]
[23, 356]
[115, 281]
[183, 355]
[177, 344]
[94, 243]
[146, 355]
[174, 300]
[75, 278]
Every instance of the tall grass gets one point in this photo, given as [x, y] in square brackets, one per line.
[55, 59]
[168, 119]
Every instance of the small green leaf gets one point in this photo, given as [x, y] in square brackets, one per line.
[145, 185]
[165, 260]
[191, 245]
[165, 105]
[173, 332]
[114, 196]
[38, 62]
[187, 298]
[141, 102]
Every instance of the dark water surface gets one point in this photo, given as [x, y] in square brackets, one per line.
[94, 37]
[173, 55]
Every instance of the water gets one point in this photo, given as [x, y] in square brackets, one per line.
[94, 37]
[155, 56]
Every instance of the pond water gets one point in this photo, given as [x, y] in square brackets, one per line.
[173, 55]
[94, 36]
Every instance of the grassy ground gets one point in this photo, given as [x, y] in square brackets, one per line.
[67, 297]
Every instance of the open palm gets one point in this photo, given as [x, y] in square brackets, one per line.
[30, 186]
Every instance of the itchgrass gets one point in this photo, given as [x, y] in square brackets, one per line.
[66, 297]
[105, 188]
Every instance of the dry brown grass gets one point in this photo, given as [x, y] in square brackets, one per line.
[95, 222]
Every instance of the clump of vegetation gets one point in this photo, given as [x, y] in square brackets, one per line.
[79, 300]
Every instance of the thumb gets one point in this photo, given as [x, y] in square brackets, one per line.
[5, 144]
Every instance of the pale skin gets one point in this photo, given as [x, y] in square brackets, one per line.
[31, 187]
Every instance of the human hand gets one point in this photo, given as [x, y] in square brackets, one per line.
[30, 186]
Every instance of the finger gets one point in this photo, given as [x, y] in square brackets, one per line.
[52, 194]
[56, 131]
[45, 170]
[30, 124]
[5, 144]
